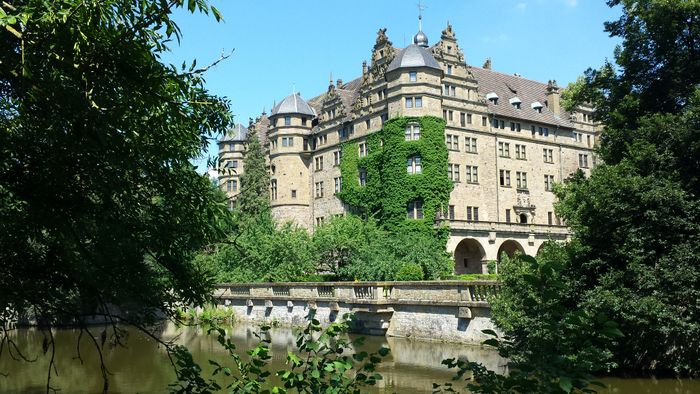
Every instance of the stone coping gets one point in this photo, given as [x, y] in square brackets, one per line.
[426, 283]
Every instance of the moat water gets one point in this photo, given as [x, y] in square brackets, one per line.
[142, 367]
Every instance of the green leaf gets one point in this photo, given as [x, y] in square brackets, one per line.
[565, 384]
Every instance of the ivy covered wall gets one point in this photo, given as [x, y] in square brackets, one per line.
[389, 186]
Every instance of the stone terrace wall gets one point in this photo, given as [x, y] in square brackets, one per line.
[452, 311]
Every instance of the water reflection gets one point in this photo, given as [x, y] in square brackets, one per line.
[142, 367]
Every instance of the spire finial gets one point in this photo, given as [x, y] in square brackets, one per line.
[421, 7]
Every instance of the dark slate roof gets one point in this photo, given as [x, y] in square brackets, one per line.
[293, 104]
[236, 133]
[348, 93]
[413, 56]
[528, 91]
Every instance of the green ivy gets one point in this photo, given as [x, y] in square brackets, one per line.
[389, 187]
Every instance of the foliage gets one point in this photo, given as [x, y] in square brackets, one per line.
[209, 315]
[389, 187]
[322, 363]
[99, 203]
[553, 344]
[253, 201]
[261, 252]
[410, 271]
[636, 254]
[572, 93]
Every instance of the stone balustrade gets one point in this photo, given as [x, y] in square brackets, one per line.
[454, 293]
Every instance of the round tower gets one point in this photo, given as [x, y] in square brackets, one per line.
[290, 160]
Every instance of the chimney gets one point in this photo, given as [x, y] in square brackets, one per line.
[364, 67]
[553, 97]
[487, 64]
[338, 83]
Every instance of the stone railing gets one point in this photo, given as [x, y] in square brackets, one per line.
[446, 293]
[509, 227]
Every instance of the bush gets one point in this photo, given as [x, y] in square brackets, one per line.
[409, 272]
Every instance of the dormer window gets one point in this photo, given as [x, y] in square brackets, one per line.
[287, 120]
[492, 97]
[412, 76]
[449, 49]
[537, 106]
[515, 102]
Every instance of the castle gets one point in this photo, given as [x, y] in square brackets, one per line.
[508, 140]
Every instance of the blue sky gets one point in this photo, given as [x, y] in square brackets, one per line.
[284, 45]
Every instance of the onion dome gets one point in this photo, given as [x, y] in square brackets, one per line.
[420, 39]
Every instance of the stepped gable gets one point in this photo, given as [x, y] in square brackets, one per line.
[348, 93]
[528, 91]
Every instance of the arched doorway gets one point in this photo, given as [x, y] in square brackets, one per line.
[469, 257]
[509, 247]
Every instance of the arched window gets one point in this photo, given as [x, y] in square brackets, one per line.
[523, 218]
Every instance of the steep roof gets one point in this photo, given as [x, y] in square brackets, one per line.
[293, 104]
[413, 56]
[236, 133]
[507, 87]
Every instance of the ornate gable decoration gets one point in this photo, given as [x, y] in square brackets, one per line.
[382, 54]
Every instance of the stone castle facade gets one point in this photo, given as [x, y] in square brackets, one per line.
[508, 137]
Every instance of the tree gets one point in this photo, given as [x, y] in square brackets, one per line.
[253, 201]
[636, 217]
[101, 209]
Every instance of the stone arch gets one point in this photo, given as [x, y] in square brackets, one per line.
[510, 247]
[540, 248]
[469, 257]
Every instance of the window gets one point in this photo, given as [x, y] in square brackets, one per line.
[409, 102]
[588, 140]
[578, 137]
[367, 124]
[472, 174]
[550, 218]
[450, 113]
[504, 149]
[337, 157]
[451, 212]
[363, 177]
[415, 210]
[322, 139]
[294, 193]
[419, 102]
[470, 144]
[319, 189]
[338, 181]
[521, 179]
[412, 76]
[364, 150]
[413, 165]
[319, 221]
[504, 178]
[515, 126]
[287, 141]
[484, 121]
[274, 143]
[462, 119]
[303, 121]
[548, 155]
[469, 118]
[231, 164]
[472, 214]
[548, 183]
[232, 185]
[507, 215]
[412, 132]
[582, 160]
[452, 142]
[520, 152]
[385, 117]
[449, 90]
[319, 163]
[453, 172]
[273, 189]
[449, 49]
[287, 120]
[523, 218]
[449, 69]
[231, 147]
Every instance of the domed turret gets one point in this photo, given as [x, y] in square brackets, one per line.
[293, 104]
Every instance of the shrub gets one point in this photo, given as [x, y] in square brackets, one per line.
[410, 271]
